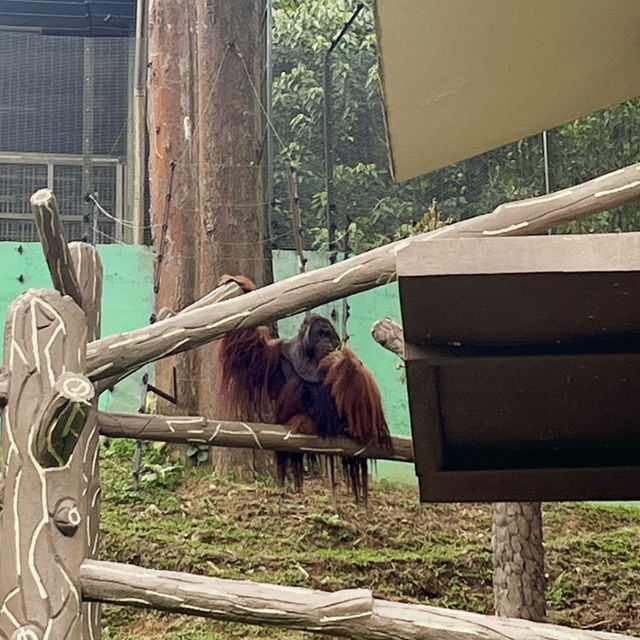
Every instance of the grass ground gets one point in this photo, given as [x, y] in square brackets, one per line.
[186, 520]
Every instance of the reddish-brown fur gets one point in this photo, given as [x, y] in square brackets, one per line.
[257, 381]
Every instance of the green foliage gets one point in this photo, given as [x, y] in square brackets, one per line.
[198, 453]
[367, 203]
[156, 469]
[373, 208]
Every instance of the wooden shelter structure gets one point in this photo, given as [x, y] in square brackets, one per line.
[461, 78]
[523, 379]
[51, 583]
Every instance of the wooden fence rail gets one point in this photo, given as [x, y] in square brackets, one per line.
[122, 354]
[351, 613]
[243, 435]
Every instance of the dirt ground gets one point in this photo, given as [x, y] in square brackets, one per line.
[402, 550]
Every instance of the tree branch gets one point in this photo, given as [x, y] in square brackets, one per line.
[390, 335]
[122, 354]
[351, 613]
[56, 251]
[224, 292]
[246, 435]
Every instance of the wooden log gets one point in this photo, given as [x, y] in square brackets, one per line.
[87, 268]
[246, 435]
[56, 252]
[122, 354]
[351, 613]
[390, 335]
[84, 463]
[223, 292]
[43, 523]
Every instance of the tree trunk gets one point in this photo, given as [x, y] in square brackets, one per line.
[205, 121]
[234, 237]
[518, 560]
[173, 181]
[46, 528]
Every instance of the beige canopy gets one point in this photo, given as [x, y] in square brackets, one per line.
[461, 77]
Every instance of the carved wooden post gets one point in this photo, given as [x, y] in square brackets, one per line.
[56, 252]
[76, 270]
[44, 520]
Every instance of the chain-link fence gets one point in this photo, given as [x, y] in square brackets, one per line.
[364, 199]
[64, 112]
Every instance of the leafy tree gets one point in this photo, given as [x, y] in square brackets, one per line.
[368, 202]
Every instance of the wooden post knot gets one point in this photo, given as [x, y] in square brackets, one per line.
[75, 387]
[67, 516]
[62, 419]
[29, 632]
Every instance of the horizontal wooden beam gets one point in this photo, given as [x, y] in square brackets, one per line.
[247, 435]
[122, 354]
[350, 613]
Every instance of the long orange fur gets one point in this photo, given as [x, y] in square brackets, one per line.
[251, 379]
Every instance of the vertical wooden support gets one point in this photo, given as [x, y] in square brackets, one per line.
[56, 252]
[76, 270]
[518, 558]
[45, 517]
[88, 270]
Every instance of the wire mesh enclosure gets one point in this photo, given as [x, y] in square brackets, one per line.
[316, 82]
[64, 105]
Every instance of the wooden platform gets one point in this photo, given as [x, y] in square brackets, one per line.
[523, 366]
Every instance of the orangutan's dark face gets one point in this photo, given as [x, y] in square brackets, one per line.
[318, 337]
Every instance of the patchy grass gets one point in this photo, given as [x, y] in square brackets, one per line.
[186, 520]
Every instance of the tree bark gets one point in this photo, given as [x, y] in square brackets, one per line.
[390, 335]
[232, 208]
[88, 270]
[56, 251]
[205, 119]
[173, 179]
[518, 560]
[76, 270]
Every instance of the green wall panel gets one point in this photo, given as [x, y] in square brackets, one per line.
[127, 297]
